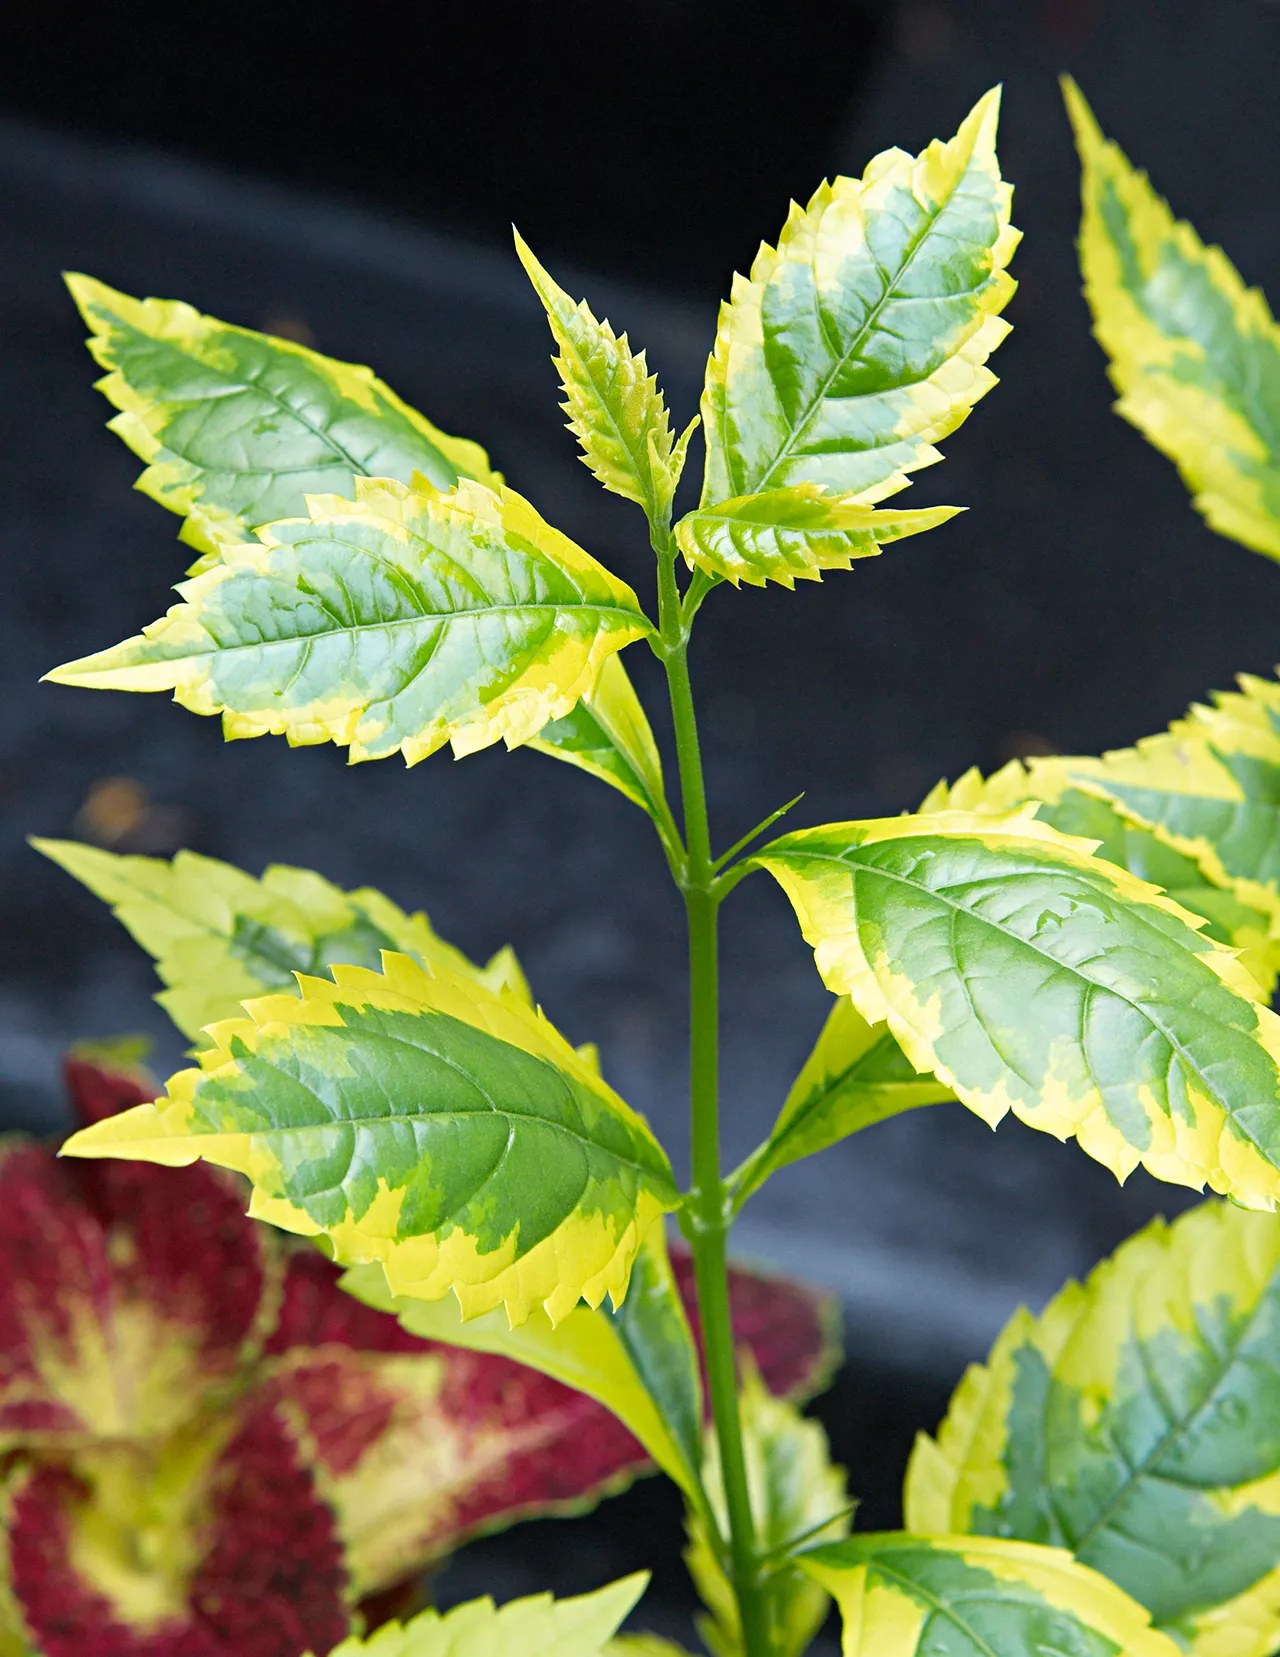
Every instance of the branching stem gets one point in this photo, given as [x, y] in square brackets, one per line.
[709, 1208]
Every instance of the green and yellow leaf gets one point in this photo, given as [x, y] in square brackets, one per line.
[219, 937]
[608, 736]
[862, 339]
[614, 406]
[911, 1596]
[1029, 976]
[535, 1627]
[392, 623]
[794, 1488]
[1194, 353]
[237, 428]
[419, 1120]
[1228, 918]
[1209, 787]
[856, 1075]
[1135, 1421]
[636, 1359]
[793, 534]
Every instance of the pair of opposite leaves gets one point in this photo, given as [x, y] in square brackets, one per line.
[945, 927]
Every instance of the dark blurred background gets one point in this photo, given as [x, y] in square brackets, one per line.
[348, 175]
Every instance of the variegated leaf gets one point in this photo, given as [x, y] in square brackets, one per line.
[794, 1488]
[237, 428]
[417, 1446]
[634, 1360]
[1030, 976]
[115, 1323]
[862, 339]
[535, 1627]
[614, 406]
[1228, 918]
[219, 937]
[973, 1596]
[1194, 353]
[1136, 1421]
[210, 1544]
[609, 736]
[637, 1360]
[790, 535]
[856, 1075]
[392, 623]
[1209, 787]
[424, 1122]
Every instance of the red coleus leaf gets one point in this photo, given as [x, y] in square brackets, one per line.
[422, 1445]
[129, 1297]
[105, 1078]
[139, 1558]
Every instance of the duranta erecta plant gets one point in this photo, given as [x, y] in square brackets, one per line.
[1088, 943]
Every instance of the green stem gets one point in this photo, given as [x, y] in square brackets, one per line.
[709, 1209]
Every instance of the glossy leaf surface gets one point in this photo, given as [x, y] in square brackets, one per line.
[973, 1596]
[856, 1075]
[219, 937]
[535, 1627]
[790, 535]
[1228, 918]
[637, 1360]
[862, 339]
[609, 736]
[614, 406]
[424, 1122]
[1032, 977]
[1135, 1422]
[393, 623]
[794, 1488]
[1194, 353]
[237, 428]
[1209, 787]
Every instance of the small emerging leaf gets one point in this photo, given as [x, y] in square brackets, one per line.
[1194, 353]
[1135, 1421]
[614, 406]
[1030, 976]
[237, 428]
[220, 937]
[862, 339]
[790, 535]
[794, 1487]
[424, 1122]
[855, 1076]
[908, 1596]
[608, 736]
[535, 1627]
[393, 623]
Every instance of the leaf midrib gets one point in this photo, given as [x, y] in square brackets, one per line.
[1177, 1427]
[1060, 966]
[796, 428]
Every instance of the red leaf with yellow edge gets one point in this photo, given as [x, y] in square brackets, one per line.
[269, 1581]
[104, 1078]
[421, 1445]
[126, 1302]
